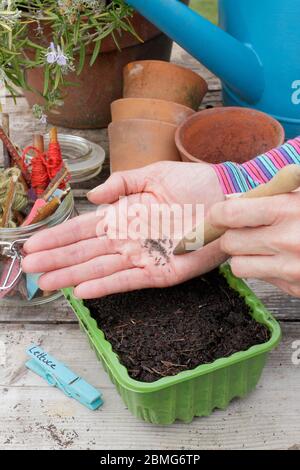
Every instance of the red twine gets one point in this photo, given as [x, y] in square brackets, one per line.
[44, 166]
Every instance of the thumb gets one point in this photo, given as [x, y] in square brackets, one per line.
[117, 185]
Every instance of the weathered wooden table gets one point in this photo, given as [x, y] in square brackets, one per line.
[35, 416]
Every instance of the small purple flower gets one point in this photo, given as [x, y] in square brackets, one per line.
[51, 55]
[55, 55]
[61, 59]
[43, 119]
[38, 112]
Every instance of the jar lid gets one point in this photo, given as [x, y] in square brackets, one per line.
[83, 158]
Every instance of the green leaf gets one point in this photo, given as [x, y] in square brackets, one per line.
[76, 32]
[34, 45]
[46, 79]
[73, 84]
[81, 59]
[96, 51]
[57, 78]
[116, 41]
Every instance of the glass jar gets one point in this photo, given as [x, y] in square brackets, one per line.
[11, 242]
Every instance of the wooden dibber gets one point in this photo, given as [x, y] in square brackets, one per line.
[53, 135]
[285, 181]
[49, 208]
[55, 183]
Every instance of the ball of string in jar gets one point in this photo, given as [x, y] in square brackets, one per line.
[20, 200]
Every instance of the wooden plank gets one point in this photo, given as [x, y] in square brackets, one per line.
[181, 57]
[283, 306]
[18, 106]
[213, 99]
[33, 415]
[55, 312]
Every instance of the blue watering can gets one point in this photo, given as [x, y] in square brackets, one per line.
[256, 53]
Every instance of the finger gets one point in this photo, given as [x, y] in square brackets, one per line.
[285, 268]
[287, 287]
[70, 255]
[249, 241]
[79, 228]
[97, 268]
[124, 281]
[239, 213]
[198, 262]
[186, 267]
[259, 267]
[117, 185]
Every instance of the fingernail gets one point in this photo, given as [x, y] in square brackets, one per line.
[93, 190]
[75, 296]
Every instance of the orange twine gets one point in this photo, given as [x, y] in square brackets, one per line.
[44, 166]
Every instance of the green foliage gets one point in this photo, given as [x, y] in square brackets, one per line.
[207, 8]
[55, 35]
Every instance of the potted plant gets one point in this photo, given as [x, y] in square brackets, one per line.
[68, 55]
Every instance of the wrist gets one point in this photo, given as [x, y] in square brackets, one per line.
[239, 178]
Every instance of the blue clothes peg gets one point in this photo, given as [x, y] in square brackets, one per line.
[58, 375]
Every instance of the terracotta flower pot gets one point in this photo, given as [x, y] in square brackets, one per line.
[135, 143]
[156, 110]
[164, 81]
[87, 105]
[227, 134]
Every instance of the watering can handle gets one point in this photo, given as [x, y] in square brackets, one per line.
[285, 181]
[236, 63]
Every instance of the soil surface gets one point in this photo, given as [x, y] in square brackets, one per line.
[161, 332]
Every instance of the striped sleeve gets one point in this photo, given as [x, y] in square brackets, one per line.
[239, 178]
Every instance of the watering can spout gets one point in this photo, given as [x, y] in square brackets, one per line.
[234, 62]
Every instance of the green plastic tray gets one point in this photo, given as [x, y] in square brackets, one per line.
[190, 393]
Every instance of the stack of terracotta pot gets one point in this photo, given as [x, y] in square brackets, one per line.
[158, 97]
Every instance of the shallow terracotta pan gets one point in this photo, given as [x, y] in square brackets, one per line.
[146, 108]
[165, 81]
[135, 143]
[227, 134]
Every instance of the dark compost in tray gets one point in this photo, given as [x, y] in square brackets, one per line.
[161, 332]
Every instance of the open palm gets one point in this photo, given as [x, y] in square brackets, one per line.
[82, 252]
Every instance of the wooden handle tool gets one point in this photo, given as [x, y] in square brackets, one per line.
[49, 207]
[45, 211]
[285, 181]
[53, 135]
[55, 183]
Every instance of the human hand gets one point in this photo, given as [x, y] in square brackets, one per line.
[77, 253]
[263, 238]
